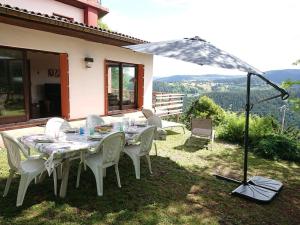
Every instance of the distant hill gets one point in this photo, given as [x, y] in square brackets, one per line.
[206, 77]
[277, 76]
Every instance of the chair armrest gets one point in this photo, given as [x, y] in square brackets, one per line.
[32, 157]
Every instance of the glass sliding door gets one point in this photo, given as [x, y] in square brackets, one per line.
[121, 86]
[12, 98]
[129, 87]
[113, 87]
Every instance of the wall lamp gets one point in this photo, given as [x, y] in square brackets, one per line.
[88, 62]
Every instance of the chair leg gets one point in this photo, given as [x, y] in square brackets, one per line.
[118, 175]
[155, 146]
[104, 172]
[136, 162]
[149, 163]
[55, 181]
[24, 183]
[59, 172]
[99, 180]
[211, 142]
[78, 175]
[41, 177]
[64, 180]
[8, 182]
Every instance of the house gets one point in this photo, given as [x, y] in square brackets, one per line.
[55, 61]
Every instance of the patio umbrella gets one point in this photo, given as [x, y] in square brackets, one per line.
[198, 51]
[195, 50]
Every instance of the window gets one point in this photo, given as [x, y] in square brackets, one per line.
[121, 86]
[11, 84]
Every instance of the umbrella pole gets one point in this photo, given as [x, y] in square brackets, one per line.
[258, 188]
[246, 138]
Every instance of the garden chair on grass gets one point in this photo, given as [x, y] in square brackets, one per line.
[164, 123]
[106, 154]
[29, 169]
[135, 152]
[159, 133]
[202, 128]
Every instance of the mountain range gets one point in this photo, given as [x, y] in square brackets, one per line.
[277, 76]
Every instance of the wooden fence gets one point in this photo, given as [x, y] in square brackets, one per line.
[167, 104]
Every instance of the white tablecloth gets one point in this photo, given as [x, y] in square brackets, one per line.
[68, 145]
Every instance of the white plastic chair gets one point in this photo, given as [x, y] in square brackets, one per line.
[148, 112]
[55, 125]
[93, 121]
[203, 128]
[106, 154]
[159, 134]
[29, 169]
[135, 152]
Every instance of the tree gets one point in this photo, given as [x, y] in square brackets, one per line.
[205, 107]
[103, 26]
[290, 84]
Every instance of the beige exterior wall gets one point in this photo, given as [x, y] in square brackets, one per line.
[48, 7]
[86, 84]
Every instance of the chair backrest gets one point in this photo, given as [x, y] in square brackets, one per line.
[110, 147]
[54, 125]
[155, 121]
[14, 150]
[93, 121]
[201, 126]
[148, 113]
[146, 138]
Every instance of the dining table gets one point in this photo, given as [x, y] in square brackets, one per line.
[67, 145]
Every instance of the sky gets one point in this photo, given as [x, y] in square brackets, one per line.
[264, 33]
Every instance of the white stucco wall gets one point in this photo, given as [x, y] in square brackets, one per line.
[48, 7]
[86, 85]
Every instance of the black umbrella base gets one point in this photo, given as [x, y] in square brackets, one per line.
[255, 193]
[267, 183]
[259, 189]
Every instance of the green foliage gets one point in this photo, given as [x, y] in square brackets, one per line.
[278, 146]
[103, 26]
[232, 128]
[294, 100]
[205, 107]
[264, 138]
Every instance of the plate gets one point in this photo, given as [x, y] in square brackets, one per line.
[71, 130]
[43, 140]
[95, 137]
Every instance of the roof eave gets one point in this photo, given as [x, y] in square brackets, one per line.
[44, 22]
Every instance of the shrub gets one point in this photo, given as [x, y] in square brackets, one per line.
[278, 146]
[205, 108]
[232, 129]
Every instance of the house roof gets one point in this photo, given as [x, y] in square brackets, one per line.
[102, 11]
[55, 24]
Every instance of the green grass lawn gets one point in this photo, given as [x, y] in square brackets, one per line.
[181, 190]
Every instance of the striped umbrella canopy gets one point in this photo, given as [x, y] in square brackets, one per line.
[195, 50]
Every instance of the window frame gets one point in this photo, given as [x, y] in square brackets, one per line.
[121, 107]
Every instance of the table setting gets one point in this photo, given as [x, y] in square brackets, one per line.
[72, 142]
